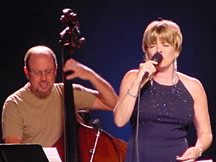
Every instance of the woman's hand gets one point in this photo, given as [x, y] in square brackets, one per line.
[190, 155]
[147, 68]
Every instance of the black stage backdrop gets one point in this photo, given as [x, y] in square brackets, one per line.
[113, 30]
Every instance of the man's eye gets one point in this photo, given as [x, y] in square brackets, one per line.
[48, 71]
[36, 72]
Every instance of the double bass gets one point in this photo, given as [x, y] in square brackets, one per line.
[82, 142]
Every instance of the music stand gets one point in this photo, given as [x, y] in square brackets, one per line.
[22, 153]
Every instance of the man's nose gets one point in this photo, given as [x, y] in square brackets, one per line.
[43, 75]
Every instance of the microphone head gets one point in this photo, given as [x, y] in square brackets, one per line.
[157, 57]
[96, 124]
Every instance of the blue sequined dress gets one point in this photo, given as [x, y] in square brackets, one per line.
[165, 114]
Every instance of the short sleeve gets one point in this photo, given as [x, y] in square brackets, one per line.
[84, 98]
[12, 124]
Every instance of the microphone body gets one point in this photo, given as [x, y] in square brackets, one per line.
[156, 57]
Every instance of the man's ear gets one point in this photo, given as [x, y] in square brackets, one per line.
[26, 72]
[56, 69]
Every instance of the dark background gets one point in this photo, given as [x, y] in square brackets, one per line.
[113, 30]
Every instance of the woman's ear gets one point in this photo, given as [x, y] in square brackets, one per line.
[176, 55]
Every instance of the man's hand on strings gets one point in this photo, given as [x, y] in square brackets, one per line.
[74, 69]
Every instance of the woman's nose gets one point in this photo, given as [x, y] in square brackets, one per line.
[159, 49]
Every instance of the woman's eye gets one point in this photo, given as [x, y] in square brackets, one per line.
[166, 45]
[151, 46]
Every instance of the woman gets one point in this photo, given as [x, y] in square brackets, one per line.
[167, 103]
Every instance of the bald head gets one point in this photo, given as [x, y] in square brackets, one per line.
[37, 50]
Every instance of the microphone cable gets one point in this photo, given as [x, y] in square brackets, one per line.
[137, 127]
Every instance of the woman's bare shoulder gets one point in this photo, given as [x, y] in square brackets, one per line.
[192, 84]
[129, 77]
[131, 73]
[188, 79]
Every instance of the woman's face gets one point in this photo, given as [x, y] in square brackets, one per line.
[167, 51]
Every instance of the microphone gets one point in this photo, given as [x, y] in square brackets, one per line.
[96, 124]
[156, 57]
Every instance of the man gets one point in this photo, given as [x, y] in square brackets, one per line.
[34, 113]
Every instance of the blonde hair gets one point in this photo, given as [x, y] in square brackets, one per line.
[167, 31]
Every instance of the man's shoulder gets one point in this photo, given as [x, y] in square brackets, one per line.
[77, 88]
[18, 94]
[58, 85]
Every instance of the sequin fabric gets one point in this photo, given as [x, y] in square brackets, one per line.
[165, 114]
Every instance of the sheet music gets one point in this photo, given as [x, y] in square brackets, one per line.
[52, 154]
